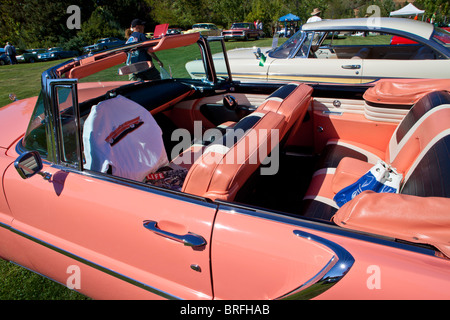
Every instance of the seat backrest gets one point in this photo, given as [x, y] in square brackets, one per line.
[291, 101]
[429, 175]
[427, 118]
[227, 163]
[122, 138]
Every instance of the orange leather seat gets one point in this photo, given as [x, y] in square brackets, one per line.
[425, 124]
[222, 167]
[225, 166]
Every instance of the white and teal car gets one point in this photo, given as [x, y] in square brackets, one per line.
[349, 51]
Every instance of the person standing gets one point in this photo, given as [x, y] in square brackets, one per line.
[10, 53]
[315, 16]
[137, 35]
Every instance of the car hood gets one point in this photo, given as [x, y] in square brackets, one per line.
[14, 119]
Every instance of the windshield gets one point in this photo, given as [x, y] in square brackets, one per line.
[241, 25]
[283, 51]
[202, 26]
[441, 36]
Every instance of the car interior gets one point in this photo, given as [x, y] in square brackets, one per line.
[377, 46]
[324, 140]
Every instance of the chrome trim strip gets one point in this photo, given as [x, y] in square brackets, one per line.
[321, 226]
[331, 273]
[92, 264]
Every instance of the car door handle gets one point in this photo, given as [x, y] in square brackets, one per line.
[190, 239]
[351, 66]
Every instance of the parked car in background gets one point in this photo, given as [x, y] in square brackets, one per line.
[56, 54]
[103, 44]
[242, 31]
[174, 31]
[30, 55]
[214, 189]
[205, 29]
[3, 58]
[326, 51]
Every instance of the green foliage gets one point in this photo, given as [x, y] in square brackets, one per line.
[42, 23]
[100, 24]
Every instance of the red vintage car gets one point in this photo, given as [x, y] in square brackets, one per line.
[180, 188]
[242, 31]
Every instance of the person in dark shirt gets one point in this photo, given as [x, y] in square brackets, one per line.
[138, 26]
[11, 53]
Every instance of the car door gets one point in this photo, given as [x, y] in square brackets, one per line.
[111, 229]
[316, 70]
[313, 60]
[422, 63]
[259, 255]
[123, 239]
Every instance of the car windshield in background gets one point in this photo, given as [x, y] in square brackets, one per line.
[202, 26]
[282, 52]
[241, 25]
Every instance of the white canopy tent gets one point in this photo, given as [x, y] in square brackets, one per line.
[408, 10]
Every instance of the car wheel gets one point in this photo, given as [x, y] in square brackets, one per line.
[31, 60]
[2, 63]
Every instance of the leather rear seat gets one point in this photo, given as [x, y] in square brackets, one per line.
[418, 134]
[337, 149]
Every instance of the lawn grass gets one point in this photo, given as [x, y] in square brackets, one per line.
[17, 283]
[24, 80]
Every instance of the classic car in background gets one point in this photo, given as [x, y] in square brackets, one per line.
[326, 51]
[205, 29]
[30, 55]
[103, 44]
[209, 188]
[3, 58]
[56, 54]
[242, 31]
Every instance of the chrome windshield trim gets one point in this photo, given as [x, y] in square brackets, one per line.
[338, 266]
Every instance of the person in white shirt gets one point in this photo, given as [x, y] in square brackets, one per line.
[315, 16]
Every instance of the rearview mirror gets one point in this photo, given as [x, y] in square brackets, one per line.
[135, 67]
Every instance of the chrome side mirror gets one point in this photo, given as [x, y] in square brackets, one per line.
[28, 164]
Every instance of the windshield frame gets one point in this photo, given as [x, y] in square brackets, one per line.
[44, 127]
[277, 53]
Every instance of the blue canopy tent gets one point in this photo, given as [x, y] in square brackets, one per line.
[288, 18]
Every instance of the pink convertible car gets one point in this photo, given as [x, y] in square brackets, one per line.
[180, 188]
